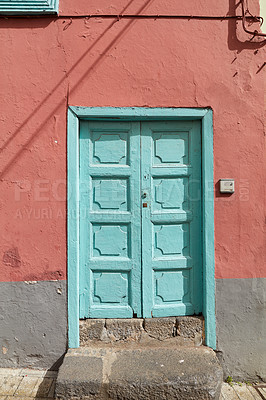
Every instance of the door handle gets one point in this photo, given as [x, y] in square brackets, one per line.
[144, 195]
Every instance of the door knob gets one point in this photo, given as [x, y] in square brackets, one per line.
[144, 195]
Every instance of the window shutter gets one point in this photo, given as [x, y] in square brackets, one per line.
[28, 7]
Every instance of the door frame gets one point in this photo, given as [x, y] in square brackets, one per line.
[75, 114]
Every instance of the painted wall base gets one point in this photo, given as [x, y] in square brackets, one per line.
[241, 327]
[33, 320]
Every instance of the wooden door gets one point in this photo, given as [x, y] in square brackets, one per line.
[140, 219]
[110, 221]
[171, 222]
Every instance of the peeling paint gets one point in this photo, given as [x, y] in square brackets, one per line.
[11, 258]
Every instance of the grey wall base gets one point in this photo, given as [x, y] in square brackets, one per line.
[241, 327]
[33, 324]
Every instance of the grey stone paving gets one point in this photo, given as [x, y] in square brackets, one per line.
[26, 384]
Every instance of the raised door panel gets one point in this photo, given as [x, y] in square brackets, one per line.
[110, 273]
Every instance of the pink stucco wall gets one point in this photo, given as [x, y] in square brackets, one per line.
[49, 63]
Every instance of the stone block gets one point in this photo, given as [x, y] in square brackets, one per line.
[79, 377]
[160, 328]
[124, 329]
[190, 327]
[183, 374]
[90, 329]
[140, 373]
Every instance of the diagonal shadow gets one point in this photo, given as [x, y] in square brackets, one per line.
[64, 78]
[98, 60]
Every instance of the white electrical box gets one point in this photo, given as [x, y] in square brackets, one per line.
[227, 185]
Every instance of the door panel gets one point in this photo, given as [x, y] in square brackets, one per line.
[171, 227]
[110, 274]
[140, 219]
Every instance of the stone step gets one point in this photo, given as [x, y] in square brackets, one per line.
[188, 330]
[134, 372]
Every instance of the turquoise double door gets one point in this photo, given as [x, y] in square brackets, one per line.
[140, 219]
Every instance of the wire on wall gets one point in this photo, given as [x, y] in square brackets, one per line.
[247, 16]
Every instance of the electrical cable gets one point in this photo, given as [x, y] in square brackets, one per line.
[246, 15]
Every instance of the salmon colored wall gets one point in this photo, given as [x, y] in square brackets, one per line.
[49, 63]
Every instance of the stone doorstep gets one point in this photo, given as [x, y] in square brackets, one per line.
[139, 373]
[189, 330]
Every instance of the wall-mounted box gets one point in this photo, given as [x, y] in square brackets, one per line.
[227, 185]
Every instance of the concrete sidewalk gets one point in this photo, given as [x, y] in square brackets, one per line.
[26, 384]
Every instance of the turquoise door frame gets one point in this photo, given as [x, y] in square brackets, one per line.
[75, 114]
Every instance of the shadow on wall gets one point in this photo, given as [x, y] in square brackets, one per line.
[238, 39]
[49, 98]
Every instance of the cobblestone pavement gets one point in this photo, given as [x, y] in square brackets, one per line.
[26, 384]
